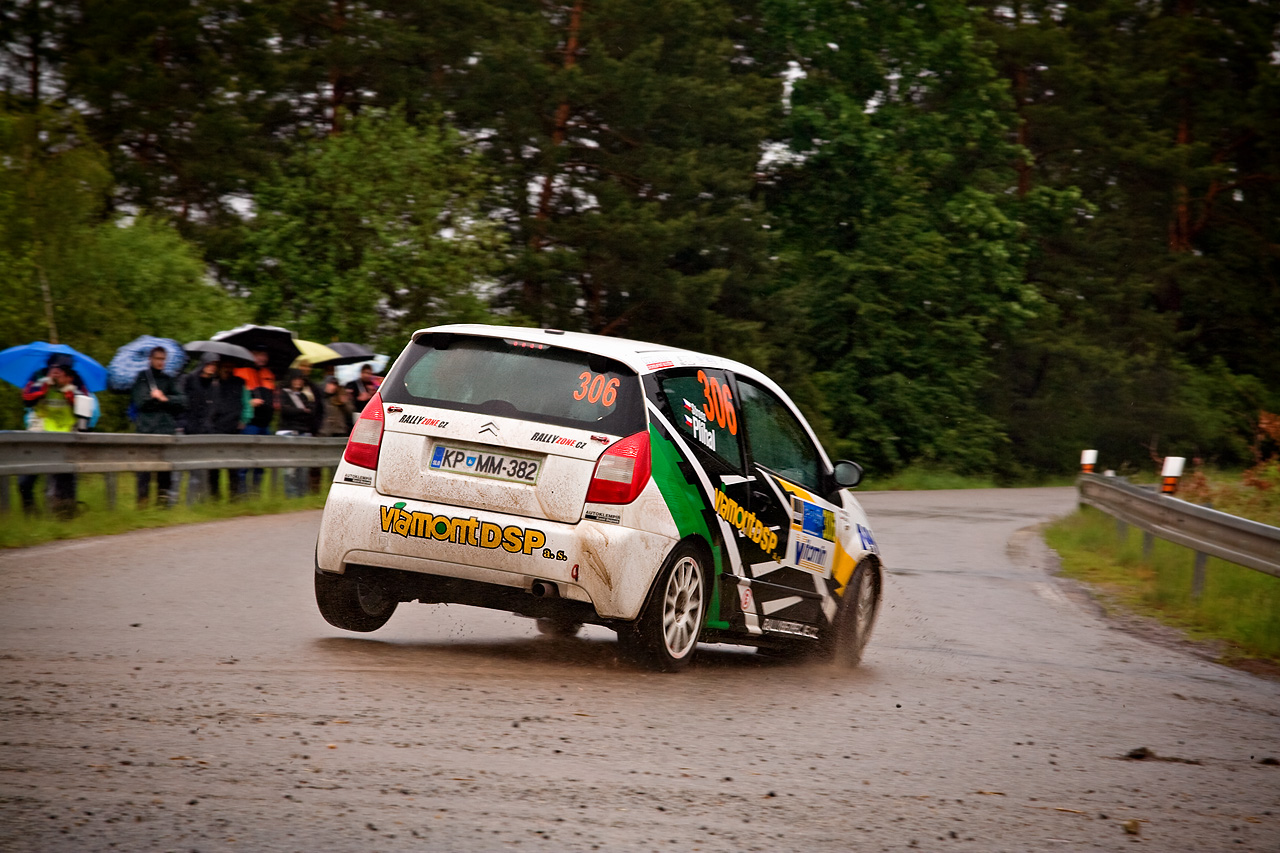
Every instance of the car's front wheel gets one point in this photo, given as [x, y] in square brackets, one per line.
[665, 636]
[844, 642]
[351, 603]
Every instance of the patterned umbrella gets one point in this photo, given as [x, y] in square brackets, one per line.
[135, 357]
[17, 364]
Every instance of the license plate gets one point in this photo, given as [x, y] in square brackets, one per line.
[477, 463]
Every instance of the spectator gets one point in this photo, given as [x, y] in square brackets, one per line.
[50, 398]
[363, 389]
[231, 411]
[261, 383]
[297, 405]
[158, 402]
[297, 417]
[336, 420]
[317, 421]
[200, 387]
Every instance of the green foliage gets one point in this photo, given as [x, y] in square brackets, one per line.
[979, 236]
[106, 282]
[896, 237]
[370, 234]
[1239, 605]
[177, 94]
[1161, 302]
[626, 166]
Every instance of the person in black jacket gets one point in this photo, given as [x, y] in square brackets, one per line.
[159, 402]
[231, 411]
[363, 389]
[298, 406]
[200, 389]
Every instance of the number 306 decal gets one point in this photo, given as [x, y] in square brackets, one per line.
[719, 405]
[596, 389]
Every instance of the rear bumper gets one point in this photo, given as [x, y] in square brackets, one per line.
[607, 566]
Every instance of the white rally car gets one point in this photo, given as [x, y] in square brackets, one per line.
[671, 496]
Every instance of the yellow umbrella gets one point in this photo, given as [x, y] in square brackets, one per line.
[313, 352]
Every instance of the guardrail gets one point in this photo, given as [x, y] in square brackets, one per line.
[1206, 531]
[115, 453]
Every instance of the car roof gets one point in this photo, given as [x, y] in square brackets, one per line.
[640, 356]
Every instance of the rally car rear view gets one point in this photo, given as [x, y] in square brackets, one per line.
[671, 496]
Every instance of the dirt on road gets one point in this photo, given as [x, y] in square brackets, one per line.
[177, 690]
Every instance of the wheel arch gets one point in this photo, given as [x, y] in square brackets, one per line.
[706, 561]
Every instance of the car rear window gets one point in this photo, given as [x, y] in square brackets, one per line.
[518, 379]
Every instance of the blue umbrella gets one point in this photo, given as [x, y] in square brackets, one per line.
[135, 357]
[17, 364]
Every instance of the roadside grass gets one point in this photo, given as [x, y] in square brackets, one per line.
[923, 478]
[1239, 606]
[95, 518]
[920, 477]
[1253, 494]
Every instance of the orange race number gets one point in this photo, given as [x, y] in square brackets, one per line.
[596, 388]
[719, 405]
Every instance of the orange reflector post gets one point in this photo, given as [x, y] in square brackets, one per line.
[1170, 473]
[1088, 459]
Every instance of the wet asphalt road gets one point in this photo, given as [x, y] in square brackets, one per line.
[177, 690]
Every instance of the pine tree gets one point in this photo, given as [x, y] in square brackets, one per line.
[901, 238]
[1164, 115]
[626, 137]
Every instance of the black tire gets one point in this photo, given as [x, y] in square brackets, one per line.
[846, 640]
[563, 629]
[353, 604]
[665, 637]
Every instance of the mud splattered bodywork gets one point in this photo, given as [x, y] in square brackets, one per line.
[561, 475]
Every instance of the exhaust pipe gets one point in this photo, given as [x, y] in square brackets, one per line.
[544, 589]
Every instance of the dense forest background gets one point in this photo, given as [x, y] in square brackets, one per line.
[980, 236]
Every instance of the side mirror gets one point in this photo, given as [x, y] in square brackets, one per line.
[847, 474]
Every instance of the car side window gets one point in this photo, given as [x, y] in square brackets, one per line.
[776, 439]
[704, 410]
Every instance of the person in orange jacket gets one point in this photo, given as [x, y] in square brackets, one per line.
[261, 384]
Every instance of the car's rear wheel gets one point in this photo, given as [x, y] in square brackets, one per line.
[353, 604]
[561, 628]
[847, 638]
[666, 635]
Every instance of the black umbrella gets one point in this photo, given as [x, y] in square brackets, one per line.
[351, 354]
[220, 348]
[276, 341]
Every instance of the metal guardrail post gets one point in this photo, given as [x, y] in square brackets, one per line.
[110, 484]
[4, 495]
[1197, 574]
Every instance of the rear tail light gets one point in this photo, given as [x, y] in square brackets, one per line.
[366, 435]
[622, 471]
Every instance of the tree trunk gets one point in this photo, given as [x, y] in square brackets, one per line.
[1180, 227]
[558, 133]
[337, 82]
